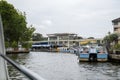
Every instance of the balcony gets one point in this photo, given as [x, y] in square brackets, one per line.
[116, 26]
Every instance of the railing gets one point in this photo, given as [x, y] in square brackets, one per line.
[29, 74]
[3, 69]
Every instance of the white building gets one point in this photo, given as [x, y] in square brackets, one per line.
[116, 25]
[66, 39]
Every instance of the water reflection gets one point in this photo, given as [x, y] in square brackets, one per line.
[61, 66]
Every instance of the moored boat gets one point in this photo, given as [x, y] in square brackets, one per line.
[65, 50]
[93, 54]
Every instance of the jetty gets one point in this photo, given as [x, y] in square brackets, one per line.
[19, 50]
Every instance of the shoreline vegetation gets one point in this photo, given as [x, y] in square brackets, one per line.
[16, 31]
[113, 46]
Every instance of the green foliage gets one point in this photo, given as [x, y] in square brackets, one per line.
[27, 34]
[116, 47]
[45, 38]
[106, 39]
[26, 45]
[14, 44]
[91, 38]
[37, 37]
[79, 37]
[111, 38]
[14, 23]
[6, 44]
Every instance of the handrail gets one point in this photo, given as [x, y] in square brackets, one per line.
[3, 67]
[31, 75]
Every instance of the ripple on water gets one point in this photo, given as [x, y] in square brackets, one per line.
[62, 66]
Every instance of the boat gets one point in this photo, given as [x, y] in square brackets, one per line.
[67, 50]
[63, 49]
[93, 53]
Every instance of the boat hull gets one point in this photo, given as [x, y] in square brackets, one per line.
[93, 57]
[84, 57]
[102, 57]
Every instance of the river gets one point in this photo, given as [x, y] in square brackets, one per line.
[64, 66]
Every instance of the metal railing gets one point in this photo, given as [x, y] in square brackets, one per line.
[28, 73]
[3, 69]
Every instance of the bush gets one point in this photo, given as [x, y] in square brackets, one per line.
[116, 47]
[14, 44]
[26, 45]
[6, 44]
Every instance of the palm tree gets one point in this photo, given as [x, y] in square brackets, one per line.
[107, 41]
[111, 38]
[114, 38]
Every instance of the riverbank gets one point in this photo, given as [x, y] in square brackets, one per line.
[17, 50]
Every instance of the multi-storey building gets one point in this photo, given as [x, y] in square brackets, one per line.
[66, 39]
[116, 25]
[69, 39]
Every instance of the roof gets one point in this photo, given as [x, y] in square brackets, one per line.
[61, 34]
[116, 20]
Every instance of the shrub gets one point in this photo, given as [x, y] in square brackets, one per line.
[116, 47]
[14, 44]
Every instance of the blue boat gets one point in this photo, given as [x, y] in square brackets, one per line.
[93, 54]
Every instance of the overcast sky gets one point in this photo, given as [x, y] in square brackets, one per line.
[84, 17]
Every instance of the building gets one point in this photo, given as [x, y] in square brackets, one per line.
[64, 39]
[116, 25]
[69, 39]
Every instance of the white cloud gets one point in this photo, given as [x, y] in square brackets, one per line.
[47, 22]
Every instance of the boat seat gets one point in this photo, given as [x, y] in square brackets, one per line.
[85, 51]
[101, 51]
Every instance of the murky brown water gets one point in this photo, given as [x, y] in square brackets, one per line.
[64, 66]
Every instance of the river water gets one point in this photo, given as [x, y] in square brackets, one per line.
[64, 66]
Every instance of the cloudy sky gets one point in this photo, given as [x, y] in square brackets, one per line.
[84, 17]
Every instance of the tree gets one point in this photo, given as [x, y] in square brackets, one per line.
[91, 38]
[14, 24]
[37, 37]
[111, 38]
[27, 34]
[107, 42]
[79, 37]
[114, 38]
